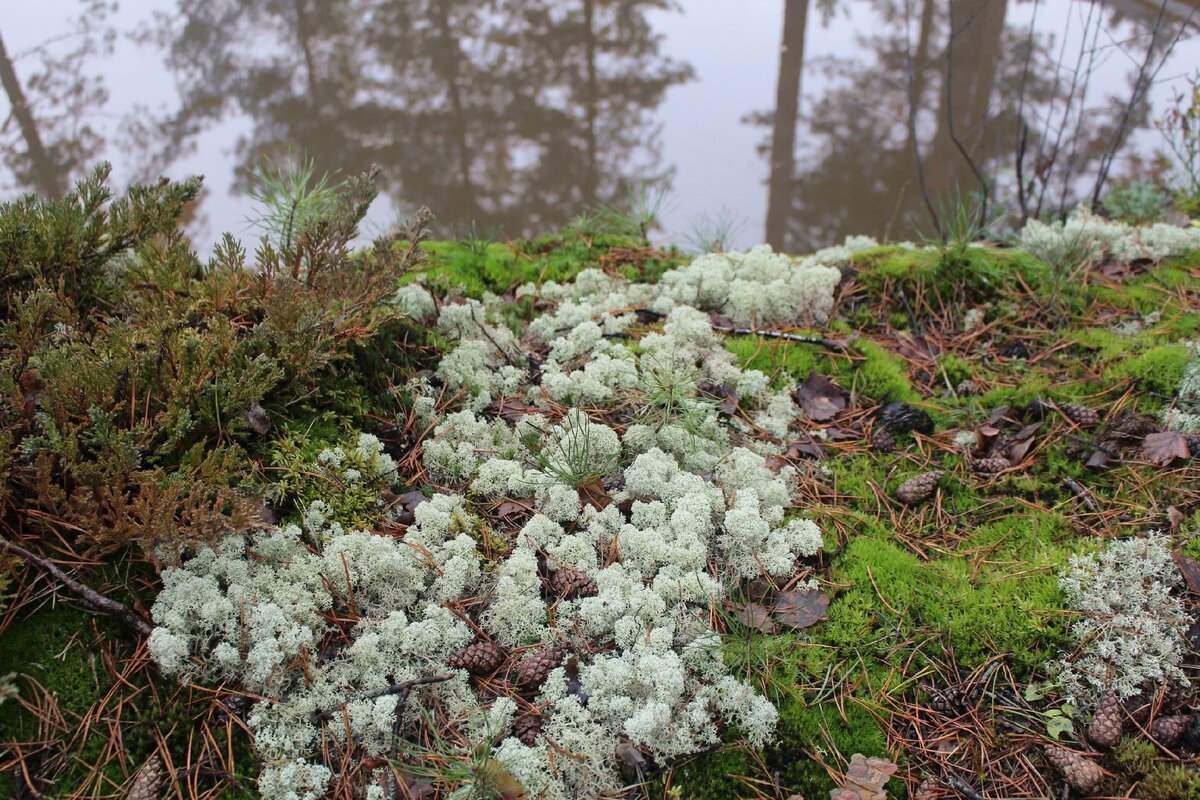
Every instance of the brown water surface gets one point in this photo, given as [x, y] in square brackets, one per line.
[789, 121]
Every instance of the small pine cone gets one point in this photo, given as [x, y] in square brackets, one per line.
[1105, 727]
[927, 790]
[918, 489]
[528, 727]
[533, 671]
[1191, 737]
[1132, 426]
[1083, 416]
[1167, 731]
[999, 447]
[571, 584]
[1193, 443]
[1084, 776]
[148, 781]
[900, 417]
[966, 387]
[951, 701]
[479, 658]
[986, 467]
[883, 441]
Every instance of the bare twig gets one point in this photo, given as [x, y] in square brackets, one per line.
[105, 605]
[401, 690]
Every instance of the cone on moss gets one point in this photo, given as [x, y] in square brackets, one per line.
[479, 658]
[527, 728]
[882, 441]
[533, 671]
[148, 781]
[1105, 727]
[987, 467]
[1082, 775]
[1168, 731]
[918, 489]
[1084, 416]
[571, 584]
[927, 790]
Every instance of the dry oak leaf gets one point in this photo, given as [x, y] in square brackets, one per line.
[1165, 447]
[821, 398]
[865, 779]
[801, 608]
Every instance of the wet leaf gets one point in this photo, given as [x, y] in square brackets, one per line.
[821, 398]
[806, 447]
[594, 494]
[512, 410]
[633, 763]
[1016, 453]
[776, 463]
[1164, 448]
[757, 616]
[801, 608]
[1190, 569]
[510, 508]
[1175, 517]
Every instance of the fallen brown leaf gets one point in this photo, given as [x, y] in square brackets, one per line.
[821, 398]
[801, 608]
[1190, 569]
[1165, 447]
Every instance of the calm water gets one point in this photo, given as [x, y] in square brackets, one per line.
[793, 121]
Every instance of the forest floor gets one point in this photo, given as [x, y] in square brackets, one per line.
[928, 642]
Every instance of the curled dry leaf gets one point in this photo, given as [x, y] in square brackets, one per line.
[757, 616]
[1190, 569]
[1165, 447]
[865, 779]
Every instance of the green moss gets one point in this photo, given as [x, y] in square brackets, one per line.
[714, 775]
[1171, 782]
[1157, 371]
[1134, 756]
[871, 370]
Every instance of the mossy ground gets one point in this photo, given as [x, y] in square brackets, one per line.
[922, 596]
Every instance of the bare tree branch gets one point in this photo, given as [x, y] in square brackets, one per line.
[105, 605]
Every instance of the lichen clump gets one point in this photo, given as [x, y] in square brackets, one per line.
[659, 515]
[1131, 626]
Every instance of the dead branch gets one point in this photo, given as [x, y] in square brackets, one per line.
[401, 689]
[105, 605]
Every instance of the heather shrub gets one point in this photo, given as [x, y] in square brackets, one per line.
[140, 380]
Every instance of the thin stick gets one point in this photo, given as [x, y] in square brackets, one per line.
[402, 689]
[105, 605]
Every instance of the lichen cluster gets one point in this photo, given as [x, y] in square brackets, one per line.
[690, 507]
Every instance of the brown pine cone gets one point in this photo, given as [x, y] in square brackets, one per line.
[900, 417]
[1193, 443]
[999, 447]
[1105, 727]
[1191, 737]
[883, 441]
[950, 701]
[533, 671]
[918, 488]
[528, 727]
[479, 658]
[148, 780]
[927, 790]
[1131, 426]
[1167, 731]
[987, 467]
[1084, 776]
[1081, 415]
[571, 584]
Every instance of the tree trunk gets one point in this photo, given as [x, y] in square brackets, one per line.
[787, 109]
[46, 179]
[967, 81]
[591, 98]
